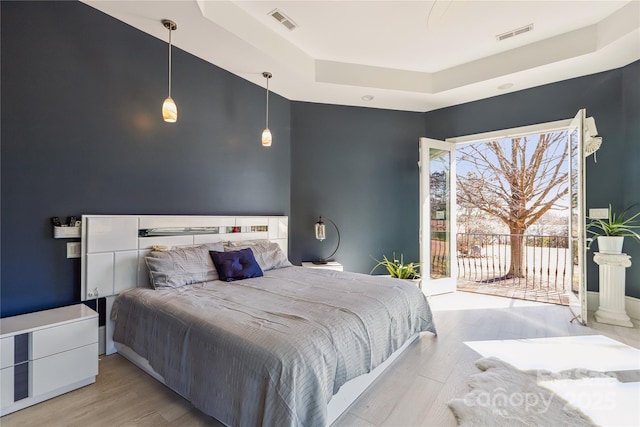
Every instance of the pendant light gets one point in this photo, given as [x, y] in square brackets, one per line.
[266, 133]
[169, 108]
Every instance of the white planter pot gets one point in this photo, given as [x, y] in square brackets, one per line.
[610, 244]
[417, 282]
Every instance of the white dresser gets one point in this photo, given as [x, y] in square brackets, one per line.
[45, 354]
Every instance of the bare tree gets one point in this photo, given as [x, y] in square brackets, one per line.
[516, 181]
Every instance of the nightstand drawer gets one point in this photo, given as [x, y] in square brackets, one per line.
[6, 387]
[6, 352]
[64, 368]
[57, 339]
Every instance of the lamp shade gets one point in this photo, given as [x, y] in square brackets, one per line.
[321, 235]
[266, 138]
[169, 110]
[320, 230]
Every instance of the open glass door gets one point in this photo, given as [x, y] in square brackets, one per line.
[577, 219]
[437, 216]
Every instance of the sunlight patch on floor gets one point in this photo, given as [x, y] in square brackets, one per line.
[473, 301]
[607, 401]
[593, 352]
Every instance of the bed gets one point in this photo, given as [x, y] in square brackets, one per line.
[293, 347]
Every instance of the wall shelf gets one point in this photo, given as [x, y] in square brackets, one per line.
[67, 232]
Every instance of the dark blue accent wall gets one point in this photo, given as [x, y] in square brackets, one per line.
[630, 157]
[357, 166]
[82, 133]
[611, 97]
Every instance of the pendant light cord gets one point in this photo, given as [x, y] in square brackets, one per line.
[170, 62]
[267, 115]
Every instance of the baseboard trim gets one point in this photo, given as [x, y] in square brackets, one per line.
[631, 304]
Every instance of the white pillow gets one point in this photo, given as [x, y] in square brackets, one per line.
[182, 266]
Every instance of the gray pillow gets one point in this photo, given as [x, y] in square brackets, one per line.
[268, 254]
[182, 266]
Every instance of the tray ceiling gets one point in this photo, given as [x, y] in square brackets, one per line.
[405, 55]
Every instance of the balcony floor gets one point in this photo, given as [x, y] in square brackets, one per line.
[522, 290]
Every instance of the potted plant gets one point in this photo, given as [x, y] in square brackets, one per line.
[610, 232]
[398, 269]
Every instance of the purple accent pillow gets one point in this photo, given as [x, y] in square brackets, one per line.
[236, 265]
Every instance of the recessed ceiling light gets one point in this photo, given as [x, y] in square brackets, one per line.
[505, 86]
[367, 97]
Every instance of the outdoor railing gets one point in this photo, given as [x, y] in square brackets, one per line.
[486, 258]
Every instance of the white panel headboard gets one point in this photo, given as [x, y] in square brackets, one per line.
[114, 246]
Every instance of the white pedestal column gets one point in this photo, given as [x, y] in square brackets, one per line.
[612, 279]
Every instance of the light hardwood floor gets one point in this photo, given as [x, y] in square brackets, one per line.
[413, 392]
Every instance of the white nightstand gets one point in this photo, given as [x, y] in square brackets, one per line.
[331, 265]
[47, 353]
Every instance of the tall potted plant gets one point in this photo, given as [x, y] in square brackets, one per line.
[610, 232]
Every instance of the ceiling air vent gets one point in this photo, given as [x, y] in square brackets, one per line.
[283, 19]
[515, 32]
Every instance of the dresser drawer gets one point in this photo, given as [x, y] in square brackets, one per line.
[6, 387]
[49, 341]
[6, 352]
[68, 367]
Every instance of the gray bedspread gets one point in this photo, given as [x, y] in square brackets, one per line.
[270, 351]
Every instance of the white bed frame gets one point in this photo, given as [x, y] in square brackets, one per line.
[113, 254]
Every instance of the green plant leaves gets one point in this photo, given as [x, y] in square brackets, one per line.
[621, 225]
[397, 268]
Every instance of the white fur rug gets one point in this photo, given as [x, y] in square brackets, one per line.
[502, 395]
